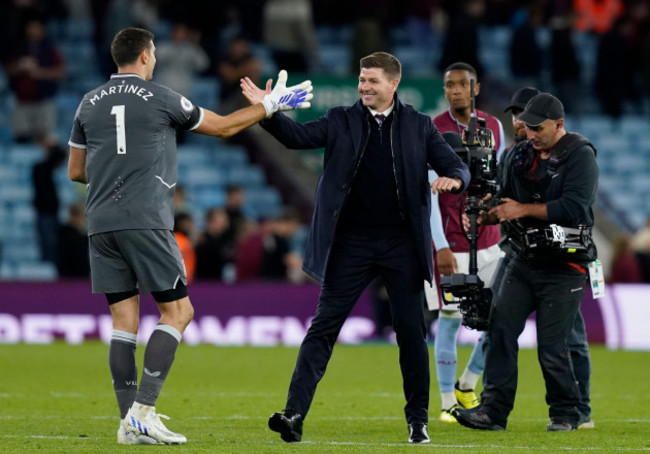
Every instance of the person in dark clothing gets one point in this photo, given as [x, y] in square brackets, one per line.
[526, 54]
[72, 246]
[274, 255]
[578, 345]
[46, 200]
[215, 247]
[554, 181]
[235, 201]
[371, 219]
[565, 66]
[35, 68]
[461, 39]
[615, 80]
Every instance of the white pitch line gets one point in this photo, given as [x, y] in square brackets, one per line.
[391, 445]
[323, 418]
[50, 437]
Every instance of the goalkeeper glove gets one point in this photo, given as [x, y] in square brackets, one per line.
[287, 98]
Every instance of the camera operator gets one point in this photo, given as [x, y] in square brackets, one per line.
[578, 345]
[552, 181]
[455, 258]
[517, 103]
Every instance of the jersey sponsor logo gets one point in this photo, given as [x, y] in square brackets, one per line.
[186, 104]
[119, 89]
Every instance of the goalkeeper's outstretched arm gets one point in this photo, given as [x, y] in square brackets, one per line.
[281, 98]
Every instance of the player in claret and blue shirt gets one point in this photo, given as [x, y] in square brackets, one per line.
[453, 256]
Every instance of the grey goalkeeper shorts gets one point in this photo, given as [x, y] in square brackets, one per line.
[124, 260]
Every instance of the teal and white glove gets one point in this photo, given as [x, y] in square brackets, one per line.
[287, 98]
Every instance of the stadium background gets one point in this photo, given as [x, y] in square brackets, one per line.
[274, 178]
[55, 392]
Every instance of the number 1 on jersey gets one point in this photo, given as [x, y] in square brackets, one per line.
[118, 111]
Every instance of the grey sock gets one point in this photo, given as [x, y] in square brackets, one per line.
[121, 361]
[158, 359]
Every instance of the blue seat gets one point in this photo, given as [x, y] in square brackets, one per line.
[24, 215]
[596, 124]
[209, 198]
[263, 196]
[268, 63]
[196, 154]
[496, 37]
[25, 154]
[10, 175]
[5, 133]
[36, 271]
[635, 125]
[17, 194]
[7, 271]
[247, 176]
[205, 92]
[335, 59]
[79, 29]
[416, 60]
[224, 155]
[21, 252]
[204, 176]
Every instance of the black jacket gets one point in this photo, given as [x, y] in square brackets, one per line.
[569, 190]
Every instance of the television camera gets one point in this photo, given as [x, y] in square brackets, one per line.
[476, 149]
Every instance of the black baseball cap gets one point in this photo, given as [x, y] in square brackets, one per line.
[521, 97]
[540, 108]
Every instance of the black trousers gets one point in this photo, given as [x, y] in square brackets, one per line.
[555, 294]
[578, 347]
[354, 262]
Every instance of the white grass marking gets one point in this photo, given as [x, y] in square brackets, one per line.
[264, 417]
[49, 437]
[367, 444]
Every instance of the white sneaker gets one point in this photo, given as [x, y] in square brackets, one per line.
[143, 419]
[126, 436]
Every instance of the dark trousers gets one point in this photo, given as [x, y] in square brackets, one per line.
[579, 349]
[555, 294]
[354, 262]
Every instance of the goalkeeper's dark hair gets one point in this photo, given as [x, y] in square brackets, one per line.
[389, 63]
[462, 66]
[129, 43]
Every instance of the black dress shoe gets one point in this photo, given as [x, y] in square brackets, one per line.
[418, 433]
[289, 428]
[475, 418]
[560, 425]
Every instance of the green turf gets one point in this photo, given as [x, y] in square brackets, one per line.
[59, 399]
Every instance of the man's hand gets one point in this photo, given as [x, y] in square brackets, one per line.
[252, 93]
[446, 261]
[508, 210]
[446, 184]
[281, 97]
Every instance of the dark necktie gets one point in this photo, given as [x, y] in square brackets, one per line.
[380, 118]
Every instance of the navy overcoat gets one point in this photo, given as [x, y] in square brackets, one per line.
[415, 142]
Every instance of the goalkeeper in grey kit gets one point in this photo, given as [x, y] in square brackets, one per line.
[123, 146]
[553, 180]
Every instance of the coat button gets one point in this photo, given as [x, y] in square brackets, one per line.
[335, 213]
[344, 185]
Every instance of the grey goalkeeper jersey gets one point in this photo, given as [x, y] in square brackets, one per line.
[128, 128]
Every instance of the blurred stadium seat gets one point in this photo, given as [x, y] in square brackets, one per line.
[40, 271]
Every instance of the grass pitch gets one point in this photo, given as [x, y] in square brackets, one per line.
[59, 399]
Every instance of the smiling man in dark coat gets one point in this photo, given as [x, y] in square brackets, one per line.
[371, 219]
